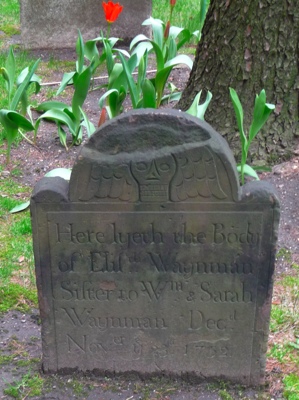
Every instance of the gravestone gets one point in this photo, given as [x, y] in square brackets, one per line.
[54, 24]
[152, 259]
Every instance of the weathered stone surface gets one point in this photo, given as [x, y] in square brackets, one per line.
[54, 24]
[152, 259]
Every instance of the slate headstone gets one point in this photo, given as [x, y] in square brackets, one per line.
[152, 259]
[54, 24]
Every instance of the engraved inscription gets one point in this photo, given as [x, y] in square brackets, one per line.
[199, 321]
[86, 318]
[218, 233]
[205, 349]
[144, 276]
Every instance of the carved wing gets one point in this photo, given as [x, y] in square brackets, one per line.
[196, 176]
[109, 182]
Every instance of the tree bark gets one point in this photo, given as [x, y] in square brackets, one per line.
[250, 46]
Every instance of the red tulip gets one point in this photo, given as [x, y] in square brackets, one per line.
[112, 11]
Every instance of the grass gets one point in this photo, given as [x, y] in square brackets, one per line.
[186, 13]
[17, 280]
[284, 328]
[10, 17]
[291, 383]
[29, 386]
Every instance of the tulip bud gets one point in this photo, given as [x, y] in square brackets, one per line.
[103, 116]
[166, 32]
[172, 3]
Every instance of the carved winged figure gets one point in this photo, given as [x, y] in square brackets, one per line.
[110, 182]
[196, 176]
[175, 177]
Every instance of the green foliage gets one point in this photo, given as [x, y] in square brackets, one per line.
[285, 315]
[13, 118]
[120, 81]
[261, 113]
[73, 117]
[22, 226]
[85, 51]
[10, 17]
[15, 236]
[224, 395]
[188, 13]
[285, 324]
[198, 110]
[284, 254]
[64, 173]
[20, 207]
[29, 386]
[144, 92]
[291, 383]
[165, 44]
[17, 297]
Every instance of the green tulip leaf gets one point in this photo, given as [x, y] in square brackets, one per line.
[91, 49]
[159, 56]
[185, 36]
[123, 52]
[137, 39]
[64, 173]
[67, 79]
[80, 53]
[141, 49]
[13, 120]
[23, 87]
[81, 90]
[239, 115]
[171, 97]
[9, 71]
[89, 126]
[261, 113]
[109, 56]
[172, 49]
[198, 110]
[105, 95]
[60, 117]
[248, 170]
[49, 105]
[160, 82]
[149, 94]
[20, 207]
[62, 135]
[158, 30]
[112, 41]
[127, 65]
[175, 31]
[180, 59]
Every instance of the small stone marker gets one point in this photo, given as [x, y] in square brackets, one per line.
[152, 259]
[54, 24]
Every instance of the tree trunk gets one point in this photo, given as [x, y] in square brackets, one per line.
[250, 46]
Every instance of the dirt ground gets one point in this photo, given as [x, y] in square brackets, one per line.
[20, 333]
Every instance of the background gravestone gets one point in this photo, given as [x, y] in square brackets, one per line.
[54, 23]
[152, 259]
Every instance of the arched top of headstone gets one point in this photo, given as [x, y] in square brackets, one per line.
[151, 156]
